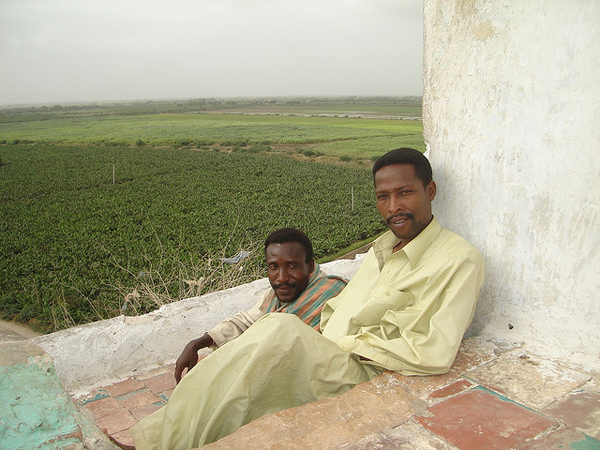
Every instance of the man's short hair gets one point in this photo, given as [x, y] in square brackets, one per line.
[289, 234]
[410, 156]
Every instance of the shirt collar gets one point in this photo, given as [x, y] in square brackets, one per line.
[384, 245]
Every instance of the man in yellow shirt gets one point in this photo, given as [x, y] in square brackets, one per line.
[411, 301]
[405, 310]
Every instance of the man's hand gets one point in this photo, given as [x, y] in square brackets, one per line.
[189, 357]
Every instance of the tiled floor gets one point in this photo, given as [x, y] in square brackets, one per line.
[481, 419]
[119, 406]
[490, 399]
[496, 396]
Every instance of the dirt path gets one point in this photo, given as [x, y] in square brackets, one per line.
[21, 330]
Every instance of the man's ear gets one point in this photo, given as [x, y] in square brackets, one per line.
[311, 265]
[431, 190]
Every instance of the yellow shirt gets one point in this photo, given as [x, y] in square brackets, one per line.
[408, 311]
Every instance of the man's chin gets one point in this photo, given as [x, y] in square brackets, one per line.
[287, 297]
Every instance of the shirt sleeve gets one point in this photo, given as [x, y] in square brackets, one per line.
[421, 337]
[235, 325]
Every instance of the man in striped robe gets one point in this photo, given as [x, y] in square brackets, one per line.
[298, 286]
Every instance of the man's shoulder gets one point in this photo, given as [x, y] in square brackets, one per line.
[325, 278]
[333, 279]
[455, 246]
[329, 282]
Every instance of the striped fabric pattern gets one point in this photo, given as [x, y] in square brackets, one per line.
[309, 304]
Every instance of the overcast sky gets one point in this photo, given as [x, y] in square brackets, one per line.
[58, 51]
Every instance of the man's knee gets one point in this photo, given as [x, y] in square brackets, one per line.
[277, 323]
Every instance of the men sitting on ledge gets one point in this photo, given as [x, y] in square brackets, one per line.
[405, 310]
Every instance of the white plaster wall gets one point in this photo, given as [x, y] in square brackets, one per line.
[101, 353]
[512, 126]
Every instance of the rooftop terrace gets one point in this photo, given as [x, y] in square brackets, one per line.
[497, 395]
[59, 390]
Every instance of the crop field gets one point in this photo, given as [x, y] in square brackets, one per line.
[104, 213]
[209, 128]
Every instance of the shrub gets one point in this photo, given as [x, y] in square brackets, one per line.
[203, 142]
[257, 148]
[182, 143]
[235, 143]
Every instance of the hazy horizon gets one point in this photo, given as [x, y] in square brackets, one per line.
[75, 51]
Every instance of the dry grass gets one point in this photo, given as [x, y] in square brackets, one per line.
[165, 283]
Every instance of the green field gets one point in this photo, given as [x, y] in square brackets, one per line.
[106, 211]
[354, 136]
[373, 107]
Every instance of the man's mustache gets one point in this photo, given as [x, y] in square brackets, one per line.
[399, 216]
[280, 285]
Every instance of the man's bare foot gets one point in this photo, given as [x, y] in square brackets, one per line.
[117, 443]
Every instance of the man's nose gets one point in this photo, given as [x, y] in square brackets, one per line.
[395, 204]
[282, 275]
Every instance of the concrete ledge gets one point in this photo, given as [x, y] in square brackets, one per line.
[107, 351]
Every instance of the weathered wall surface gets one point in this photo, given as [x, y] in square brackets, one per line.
[512, 126]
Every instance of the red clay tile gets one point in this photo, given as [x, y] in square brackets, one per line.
[565, 438]
[528, 380]
[116, 423]
[580, 410]
[479, 419]
[124, 387]
[166, 395]
[160, 383]
[451, 389]
[123, 437]
[104, 407]
[144, 411]
[139, 399]
[111, 415]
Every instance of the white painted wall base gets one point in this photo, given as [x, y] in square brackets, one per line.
[101, 353]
